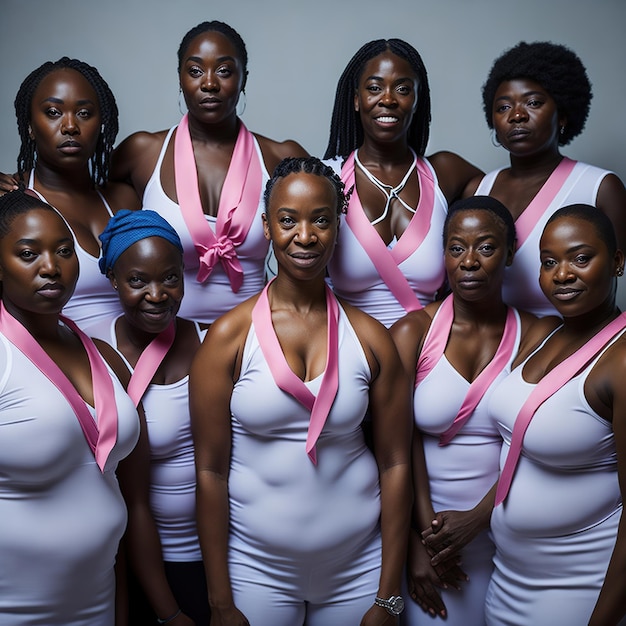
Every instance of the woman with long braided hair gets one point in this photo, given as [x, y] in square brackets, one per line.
[379, 133]
[67, 119]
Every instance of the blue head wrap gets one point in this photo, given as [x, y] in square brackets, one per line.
[128, 227]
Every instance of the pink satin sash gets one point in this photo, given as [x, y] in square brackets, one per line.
[100, 436]
[284, 377]
[528, 219]
[238, 205]
[149, 362]
[547, 387]
[434, 348]
[386, 261]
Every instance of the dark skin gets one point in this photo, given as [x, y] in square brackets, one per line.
[535, 153]
[578, 276]
[302, 223]
[476, 254]
[148, 277]
[387, 90]
[65, 124]
[38, 272]
[211, 70]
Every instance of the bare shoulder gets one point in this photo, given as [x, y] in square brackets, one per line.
[121, 196]
[275, 151]
[454, 173]
[534, 331]
[472, 187]
[136, 156]
[229, 331]
[114, 361]
[411, 328]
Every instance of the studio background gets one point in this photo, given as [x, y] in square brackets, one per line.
[297, 51]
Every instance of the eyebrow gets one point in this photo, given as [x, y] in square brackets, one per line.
[26, 240]
[534, 92]
[219, 59]
[60, 101]
[399, 80]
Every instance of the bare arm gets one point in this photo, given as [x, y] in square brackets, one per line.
[454, 174]
[134, 160]
[424, 581]
[391, 422]
[611, 201]
[210, 389]
[611, 605]
[274, 151]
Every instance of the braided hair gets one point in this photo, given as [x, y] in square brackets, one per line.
[306, 165]
[108, 114]
[218, 27]
[346, 130]
[557, 69]
[16, 203]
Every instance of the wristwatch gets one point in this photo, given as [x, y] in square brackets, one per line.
[394, 605]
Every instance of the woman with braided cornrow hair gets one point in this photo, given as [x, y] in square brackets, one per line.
[378, 135]
[207, 174]
[67, 120]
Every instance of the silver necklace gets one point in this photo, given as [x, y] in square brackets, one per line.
[388, 191]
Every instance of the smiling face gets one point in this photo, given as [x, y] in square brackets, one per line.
[386, 97]
[149, 279]
[38, 265]
[577, 270]
[476, 253]
[301, 223]
[65, 119]
[211, 77]
[525, 117]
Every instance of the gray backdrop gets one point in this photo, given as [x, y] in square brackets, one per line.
[297, 51]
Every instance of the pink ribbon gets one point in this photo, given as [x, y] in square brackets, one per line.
[433, 350]
[149, 362]
[528, 219]
[547, 387]
[386, 261]
[238, 205]
[102, 436]
[284, 377]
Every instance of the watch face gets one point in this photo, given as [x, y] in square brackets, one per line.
[397, 604]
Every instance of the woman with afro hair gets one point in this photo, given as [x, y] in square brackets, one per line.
[536, 99]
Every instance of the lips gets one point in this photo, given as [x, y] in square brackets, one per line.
[387, 119]
[565, 294]
[70, 146]
[51, 290]
[516, 133]
[210, 102]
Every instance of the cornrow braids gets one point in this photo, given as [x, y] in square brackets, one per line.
[16, 203]
[306, 165]
[219, 27]
[557, 69]
[109, 116]
[346, 130]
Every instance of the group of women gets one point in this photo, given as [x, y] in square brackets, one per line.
[237, 460]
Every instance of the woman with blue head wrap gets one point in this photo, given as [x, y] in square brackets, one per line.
[143, 258]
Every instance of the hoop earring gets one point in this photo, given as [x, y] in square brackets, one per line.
[241, 104]
[494, 139]
[182, 105]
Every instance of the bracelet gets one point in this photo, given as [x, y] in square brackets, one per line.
[169, 619]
